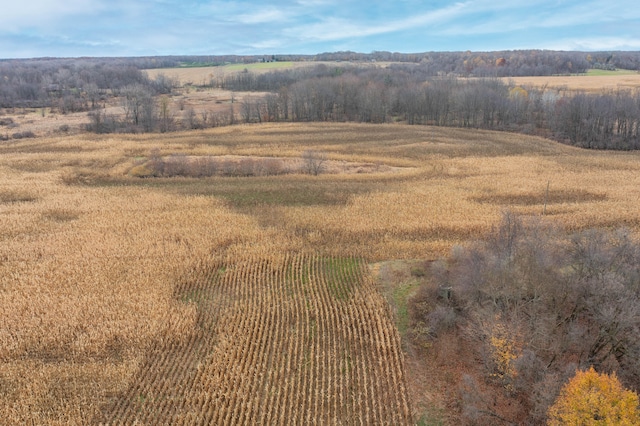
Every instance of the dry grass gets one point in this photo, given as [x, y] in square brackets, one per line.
[42, 122]
[586, 83]
[91, 257]
[202, 76]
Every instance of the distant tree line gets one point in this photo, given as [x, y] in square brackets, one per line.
[70, 85]
[377, 95]
[509, 63]
[416, 88]
[499, 63]
[43, 81]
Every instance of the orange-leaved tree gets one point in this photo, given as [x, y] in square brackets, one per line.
[591, 398]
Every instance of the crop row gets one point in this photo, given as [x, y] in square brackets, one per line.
[295, 339]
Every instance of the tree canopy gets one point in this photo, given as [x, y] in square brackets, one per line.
[592, 398]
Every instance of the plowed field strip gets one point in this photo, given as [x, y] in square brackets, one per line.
[296, 339]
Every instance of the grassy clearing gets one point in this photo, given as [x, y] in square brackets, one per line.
[596, 72]
[202, 75]
[257, 66]
[593, 81]
[399, 280]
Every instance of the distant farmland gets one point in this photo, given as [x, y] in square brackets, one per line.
[593, 81]
[203, 75]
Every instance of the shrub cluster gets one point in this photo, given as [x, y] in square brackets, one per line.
[6, 121]
[182, 165]
[23, 135]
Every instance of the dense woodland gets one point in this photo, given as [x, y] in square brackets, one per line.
[441, 88]
[536, 306]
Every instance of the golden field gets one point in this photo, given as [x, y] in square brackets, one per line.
[585, 83]
[154, 300]
[202, 76]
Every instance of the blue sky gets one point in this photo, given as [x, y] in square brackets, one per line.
[72, 28]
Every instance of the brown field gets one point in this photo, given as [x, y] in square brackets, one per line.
[202, 76]
[585, 83]
[226, 300]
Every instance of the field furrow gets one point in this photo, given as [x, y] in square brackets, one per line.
[299, 339]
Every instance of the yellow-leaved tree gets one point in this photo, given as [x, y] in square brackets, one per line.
[591, 398]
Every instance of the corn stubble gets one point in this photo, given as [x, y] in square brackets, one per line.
[177, 301]
[298, 339]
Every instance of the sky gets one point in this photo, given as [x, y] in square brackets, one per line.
[73, 28]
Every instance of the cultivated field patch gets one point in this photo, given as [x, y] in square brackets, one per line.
[605, 81]
[203, 76]
[291, 339]
[124, 298]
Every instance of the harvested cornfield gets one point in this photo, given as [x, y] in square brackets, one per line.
[292, 339]
[105, 319]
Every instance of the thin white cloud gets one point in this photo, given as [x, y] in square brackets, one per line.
[587, 13]
[483, 17]
[16, 15]
[268, 44]
[595, 44]
[125, 27]
[269, 15]
[332, 29]
[316, 3]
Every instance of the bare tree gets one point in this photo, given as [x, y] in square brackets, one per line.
[166, 117]
[246, 110]
[189, 119]
[139, 105]
[537, 304]
[314, 162]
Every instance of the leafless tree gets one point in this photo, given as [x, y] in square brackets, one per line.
[166, 117]
[314, 162]
[139, 105]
